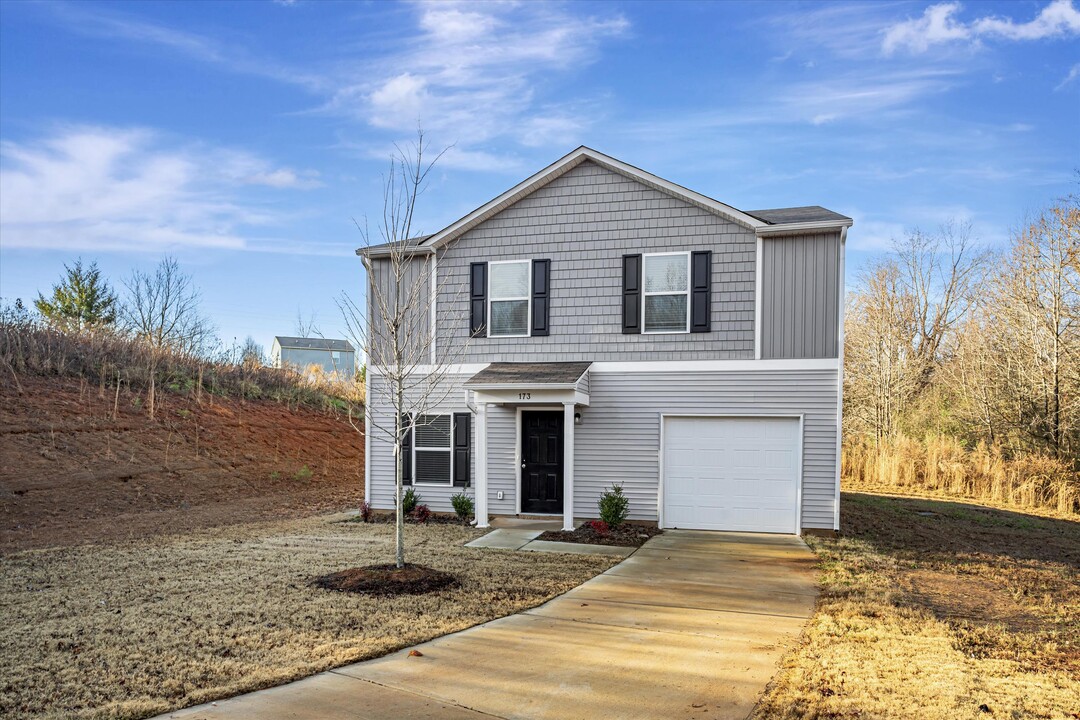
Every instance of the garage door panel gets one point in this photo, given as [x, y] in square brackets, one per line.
[731, 474]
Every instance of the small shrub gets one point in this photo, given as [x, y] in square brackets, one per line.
[275, 476]
[366, 514]
[463, 506]
[303, 473]
[421, 513]
[614, 506]
[409, 501]
[599, 527]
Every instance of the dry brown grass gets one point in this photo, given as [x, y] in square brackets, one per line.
[941, 465]
[131, 630]
[936, 610]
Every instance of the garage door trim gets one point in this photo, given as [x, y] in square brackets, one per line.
[797, 530]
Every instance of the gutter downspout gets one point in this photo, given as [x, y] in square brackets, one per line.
[840, 379]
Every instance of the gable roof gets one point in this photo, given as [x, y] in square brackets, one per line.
[763, 222]
[299, 343]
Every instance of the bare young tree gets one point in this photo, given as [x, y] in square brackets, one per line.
[306, 326]
[408, 361]
[162, 309]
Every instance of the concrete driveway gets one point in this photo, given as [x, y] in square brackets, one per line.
[691, 625]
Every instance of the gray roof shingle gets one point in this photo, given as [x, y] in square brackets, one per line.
[314, 343]
[808, 213]
[505, 373]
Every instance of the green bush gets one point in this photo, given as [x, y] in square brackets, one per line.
[614, 506]
[463, 506]
[409, 500]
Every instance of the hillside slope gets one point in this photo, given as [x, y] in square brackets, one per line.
[72, 473]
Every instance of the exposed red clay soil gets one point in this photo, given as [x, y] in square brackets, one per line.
[71, 474]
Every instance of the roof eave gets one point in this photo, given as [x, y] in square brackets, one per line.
[804, 227]
[568, 162]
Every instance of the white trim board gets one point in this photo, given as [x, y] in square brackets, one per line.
[742, 365]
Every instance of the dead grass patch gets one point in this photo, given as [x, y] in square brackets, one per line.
[135, 629]
[938, 610]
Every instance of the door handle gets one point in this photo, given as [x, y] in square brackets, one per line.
[522, 464]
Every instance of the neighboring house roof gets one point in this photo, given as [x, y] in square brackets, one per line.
[506, 373]
[583, 154]
[299, 343]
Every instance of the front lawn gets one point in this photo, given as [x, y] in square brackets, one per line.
[131, 630]
[938, 610]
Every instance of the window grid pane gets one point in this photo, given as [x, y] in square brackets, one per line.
[432, 431]
[509, 317]
[510, 280]
[666, 273]
[665, 313]
[432, 466]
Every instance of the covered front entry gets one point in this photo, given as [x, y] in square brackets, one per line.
[732, 473]
[545, 396]
[542, 461]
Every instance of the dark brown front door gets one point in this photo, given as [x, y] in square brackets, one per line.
[541, 461]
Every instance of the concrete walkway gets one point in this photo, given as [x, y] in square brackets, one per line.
[691, 625]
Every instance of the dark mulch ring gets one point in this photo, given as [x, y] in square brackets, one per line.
[625, 535]
[387, 580]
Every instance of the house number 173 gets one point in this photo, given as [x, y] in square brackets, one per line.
[525, 396]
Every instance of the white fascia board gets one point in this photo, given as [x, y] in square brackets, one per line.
[522, 386]
[418, 370]
[804, 227]
[568, 162]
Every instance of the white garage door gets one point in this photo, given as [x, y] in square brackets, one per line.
[731, 474]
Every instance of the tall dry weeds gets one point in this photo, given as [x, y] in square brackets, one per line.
[109, 358]
[942, 465]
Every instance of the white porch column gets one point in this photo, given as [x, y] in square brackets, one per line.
[568, 466]
[481, 466]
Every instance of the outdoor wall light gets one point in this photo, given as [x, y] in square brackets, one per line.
[577, 418]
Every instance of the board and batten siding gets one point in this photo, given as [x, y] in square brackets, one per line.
[800, 296]
[618, 440]
[584, 222]
[416, 284]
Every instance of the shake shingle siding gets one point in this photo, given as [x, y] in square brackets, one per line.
[584, 222]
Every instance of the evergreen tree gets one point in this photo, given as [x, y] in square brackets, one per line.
[82, 300]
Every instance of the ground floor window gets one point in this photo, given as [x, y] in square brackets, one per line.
[431, 450]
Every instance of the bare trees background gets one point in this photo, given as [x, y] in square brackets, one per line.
[162, 308]
[946, 340]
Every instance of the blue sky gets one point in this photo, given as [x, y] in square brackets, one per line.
[245, 138]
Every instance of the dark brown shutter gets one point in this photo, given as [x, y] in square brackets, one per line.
[700, 290]
[631, 294]
[478, 299]
[541, 270]
[462, 425]
[406, 451]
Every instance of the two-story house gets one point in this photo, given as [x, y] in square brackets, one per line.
[623, 329]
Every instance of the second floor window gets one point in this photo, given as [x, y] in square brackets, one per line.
[667, 292]
[510, 290]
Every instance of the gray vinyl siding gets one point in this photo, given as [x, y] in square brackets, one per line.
[304, 358]
[618, 440]
[381, 450]
[800, 296]
[584, 222]
[416, 284]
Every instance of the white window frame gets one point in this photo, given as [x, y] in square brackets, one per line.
[449, 449]
[645, 293]
[527, 298]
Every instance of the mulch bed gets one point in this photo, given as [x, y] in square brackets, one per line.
[387, 580]
[623, 536]
[387, 518]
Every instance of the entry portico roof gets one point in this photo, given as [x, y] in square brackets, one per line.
[556, 374]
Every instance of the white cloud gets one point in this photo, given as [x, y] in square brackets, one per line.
[472, 75]
[1074, 72]
[100, 188]
[940, 25]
